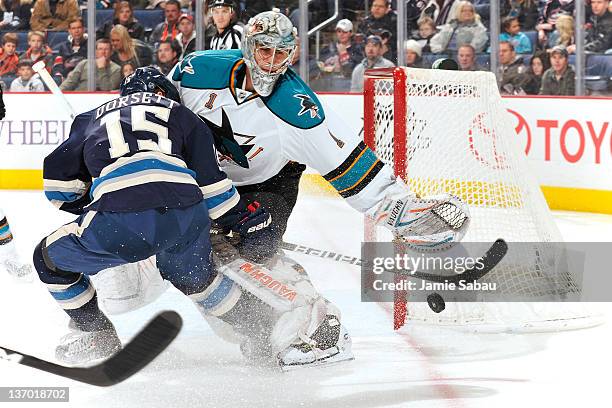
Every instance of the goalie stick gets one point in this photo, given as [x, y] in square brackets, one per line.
[490, 259]
[140, 351]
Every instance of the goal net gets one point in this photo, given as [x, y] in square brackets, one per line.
[448, 131]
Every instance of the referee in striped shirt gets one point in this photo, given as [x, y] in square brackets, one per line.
[228, 36]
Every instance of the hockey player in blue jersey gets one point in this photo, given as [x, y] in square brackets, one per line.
[268, 124]
[142, 174]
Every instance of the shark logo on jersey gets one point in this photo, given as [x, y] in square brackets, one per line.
[186, 65]
[226, 143]
[307, 106]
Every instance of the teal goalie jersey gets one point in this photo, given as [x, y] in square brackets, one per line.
[257, 136]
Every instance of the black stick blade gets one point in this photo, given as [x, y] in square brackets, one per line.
[136, 354]
[490, 259]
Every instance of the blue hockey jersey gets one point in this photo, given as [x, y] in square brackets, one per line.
[137, 152]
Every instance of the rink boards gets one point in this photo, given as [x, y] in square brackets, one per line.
[568, 142]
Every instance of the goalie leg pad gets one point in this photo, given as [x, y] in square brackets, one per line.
[296, 313]
[233, 313]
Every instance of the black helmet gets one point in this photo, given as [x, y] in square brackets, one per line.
[221, 3]
[149, 79]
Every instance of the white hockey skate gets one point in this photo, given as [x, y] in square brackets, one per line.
[17, 270]
[329, 344]
[9, 261]
[80, 348]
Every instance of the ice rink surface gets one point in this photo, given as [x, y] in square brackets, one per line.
[414, 367]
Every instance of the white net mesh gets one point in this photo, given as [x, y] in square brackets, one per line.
[460, 140]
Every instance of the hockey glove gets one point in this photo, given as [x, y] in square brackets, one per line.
[252, 221]
[250, 229]
[429, 223]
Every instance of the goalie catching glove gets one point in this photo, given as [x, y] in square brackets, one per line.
[428, 223]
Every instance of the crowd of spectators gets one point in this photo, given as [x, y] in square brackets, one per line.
[530, 30]
[54, 31]
[536, 52]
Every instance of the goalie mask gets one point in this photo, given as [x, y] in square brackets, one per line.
[268, 47]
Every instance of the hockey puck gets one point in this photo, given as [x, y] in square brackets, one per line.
[435, 302]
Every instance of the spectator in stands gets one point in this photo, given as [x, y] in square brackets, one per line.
[228, 35]
[465, 28]
[440, 11]
[74, 49]
[598, 36]
[552, 10]
[187, 35]
[54, 15]
[17, 14]
[560, 78]
[511, 76]
[388, 45]
[342, 56]
[169, 27]
[127, 69]
[129, 50]
[466, 58]
[155, 4]
[427, 29]
[414, 13]
[537, 66]
[26, 82]
[512, 33]
[414, 54]
[525, 10]
[381, 17]
[167, 56]
[373, 59]
[124, 15]
[8, 56]
[563, 33]
[38, 50]
[108, 74]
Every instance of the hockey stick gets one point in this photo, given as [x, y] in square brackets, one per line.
[41, 69]
[136, 354]
[490, 259]
[320, 253]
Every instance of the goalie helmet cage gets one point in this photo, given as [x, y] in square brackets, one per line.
[448, 131]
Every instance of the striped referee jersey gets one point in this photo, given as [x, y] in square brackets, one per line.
[228, 40]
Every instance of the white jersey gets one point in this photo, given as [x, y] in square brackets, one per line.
[257, 136]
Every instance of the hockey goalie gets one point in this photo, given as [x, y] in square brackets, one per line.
[268, 125]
